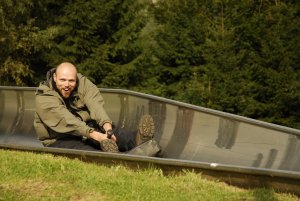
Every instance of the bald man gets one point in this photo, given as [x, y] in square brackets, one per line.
[70, 114]
[65, 78]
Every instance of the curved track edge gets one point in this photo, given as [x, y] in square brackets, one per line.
[244, 177]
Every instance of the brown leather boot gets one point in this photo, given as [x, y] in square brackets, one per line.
[109, 145]
[146, 129]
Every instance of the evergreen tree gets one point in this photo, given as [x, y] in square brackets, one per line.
[127, 46]
[180, 33]
[16, 33]
[269, 35]
[236, 56]
[22, 40]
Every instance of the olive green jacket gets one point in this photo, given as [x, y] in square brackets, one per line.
[56, 117]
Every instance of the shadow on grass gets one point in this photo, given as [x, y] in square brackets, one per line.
[264, 194]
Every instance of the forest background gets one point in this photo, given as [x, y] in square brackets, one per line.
[235, 56]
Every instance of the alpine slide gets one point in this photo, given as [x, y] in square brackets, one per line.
[237, 150]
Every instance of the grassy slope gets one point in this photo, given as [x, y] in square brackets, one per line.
[30, 176]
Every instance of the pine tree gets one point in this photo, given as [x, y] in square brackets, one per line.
[22, 39]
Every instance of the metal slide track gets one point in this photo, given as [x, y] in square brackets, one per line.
[231, 148]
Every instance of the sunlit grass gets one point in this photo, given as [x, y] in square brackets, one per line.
[30, 176]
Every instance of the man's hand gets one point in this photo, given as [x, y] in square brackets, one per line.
[100, 136]
[107, 126]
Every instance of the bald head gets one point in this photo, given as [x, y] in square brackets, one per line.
[66, 67]
[65, 78]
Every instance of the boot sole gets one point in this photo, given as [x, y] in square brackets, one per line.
[109, 145]
[146, 129]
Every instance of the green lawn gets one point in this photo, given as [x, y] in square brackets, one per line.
[30, 176]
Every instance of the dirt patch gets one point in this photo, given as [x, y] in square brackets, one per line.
[86, 196]
[38, 189]
[32, 188]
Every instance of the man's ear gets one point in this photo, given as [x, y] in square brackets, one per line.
[54, 77]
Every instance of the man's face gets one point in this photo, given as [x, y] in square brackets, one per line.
[65, 81]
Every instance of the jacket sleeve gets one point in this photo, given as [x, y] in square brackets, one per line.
[94, 101]
[56, 116]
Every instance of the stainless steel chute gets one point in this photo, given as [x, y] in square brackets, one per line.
[190, 136]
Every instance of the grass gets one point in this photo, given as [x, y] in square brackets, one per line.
[30, 176]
